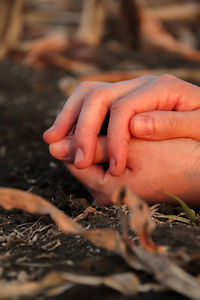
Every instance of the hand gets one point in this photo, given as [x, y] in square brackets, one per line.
[91, 101]
[151, 166]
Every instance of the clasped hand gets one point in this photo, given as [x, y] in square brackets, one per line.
[163, 110]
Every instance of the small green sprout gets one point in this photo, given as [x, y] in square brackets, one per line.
[188, 211]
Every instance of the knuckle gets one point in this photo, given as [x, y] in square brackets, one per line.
[84, 84]
[101, 94]
[148, 77]
[170, 81]
[167, 77]
[97, 93]
[173, 83]
[117, 107]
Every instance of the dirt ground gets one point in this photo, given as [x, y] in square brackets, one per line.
[32, 246]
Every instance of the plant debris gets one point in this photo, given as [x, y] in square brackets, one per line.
[146, 257]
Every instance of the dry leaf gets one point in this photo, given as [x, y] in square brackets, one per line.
[106, 238]
[57, 282]
[168, 273]
[140, 219]
[143, 258]
[13, 198]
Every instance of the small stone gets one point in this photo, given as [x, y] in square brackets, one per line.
[52, 165]
[22, 276]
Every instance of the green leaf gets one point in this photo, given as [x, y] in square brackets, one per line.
[186, 208]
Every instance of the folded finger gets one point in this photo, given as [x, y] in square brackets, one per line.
[162, 93]
[93, 112]
[70, 112]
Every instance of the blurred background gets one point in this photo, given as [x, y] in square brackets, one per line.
[102, 40]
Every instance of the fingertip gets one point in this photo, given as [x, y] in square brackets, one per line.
[116, 168]
[82, 164]
[81, 161]
[85, 151]
[62, 150]
[45, 137]
[116, 172]
[56, 132]
[142, 126]
[118, 152]
[49, 134]
[55, 152]
[79, 156]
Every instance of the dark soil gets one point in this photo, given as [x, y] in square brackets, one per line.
[29, 102]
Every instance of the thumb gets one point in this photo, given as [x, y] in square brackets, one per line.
[161, 125]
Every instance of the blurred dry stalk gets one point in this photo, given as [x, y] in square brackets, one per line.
[11, 24]
[89, 22]
[153, 32]
[68, 84]
[93, 25]
[92, 22]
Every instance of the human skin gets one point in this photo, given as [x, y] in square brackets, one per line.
[167, 105]
[151, 167]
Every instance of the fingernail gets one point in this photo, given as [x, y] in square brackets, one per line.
[112, 166]
[143, 126]
[79, 155]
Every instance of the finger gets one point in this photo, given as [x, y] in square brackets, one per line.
[70, 112]
[91, 177]
[162, 93]
[161, 125]
[64, 150]
[93, 113]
